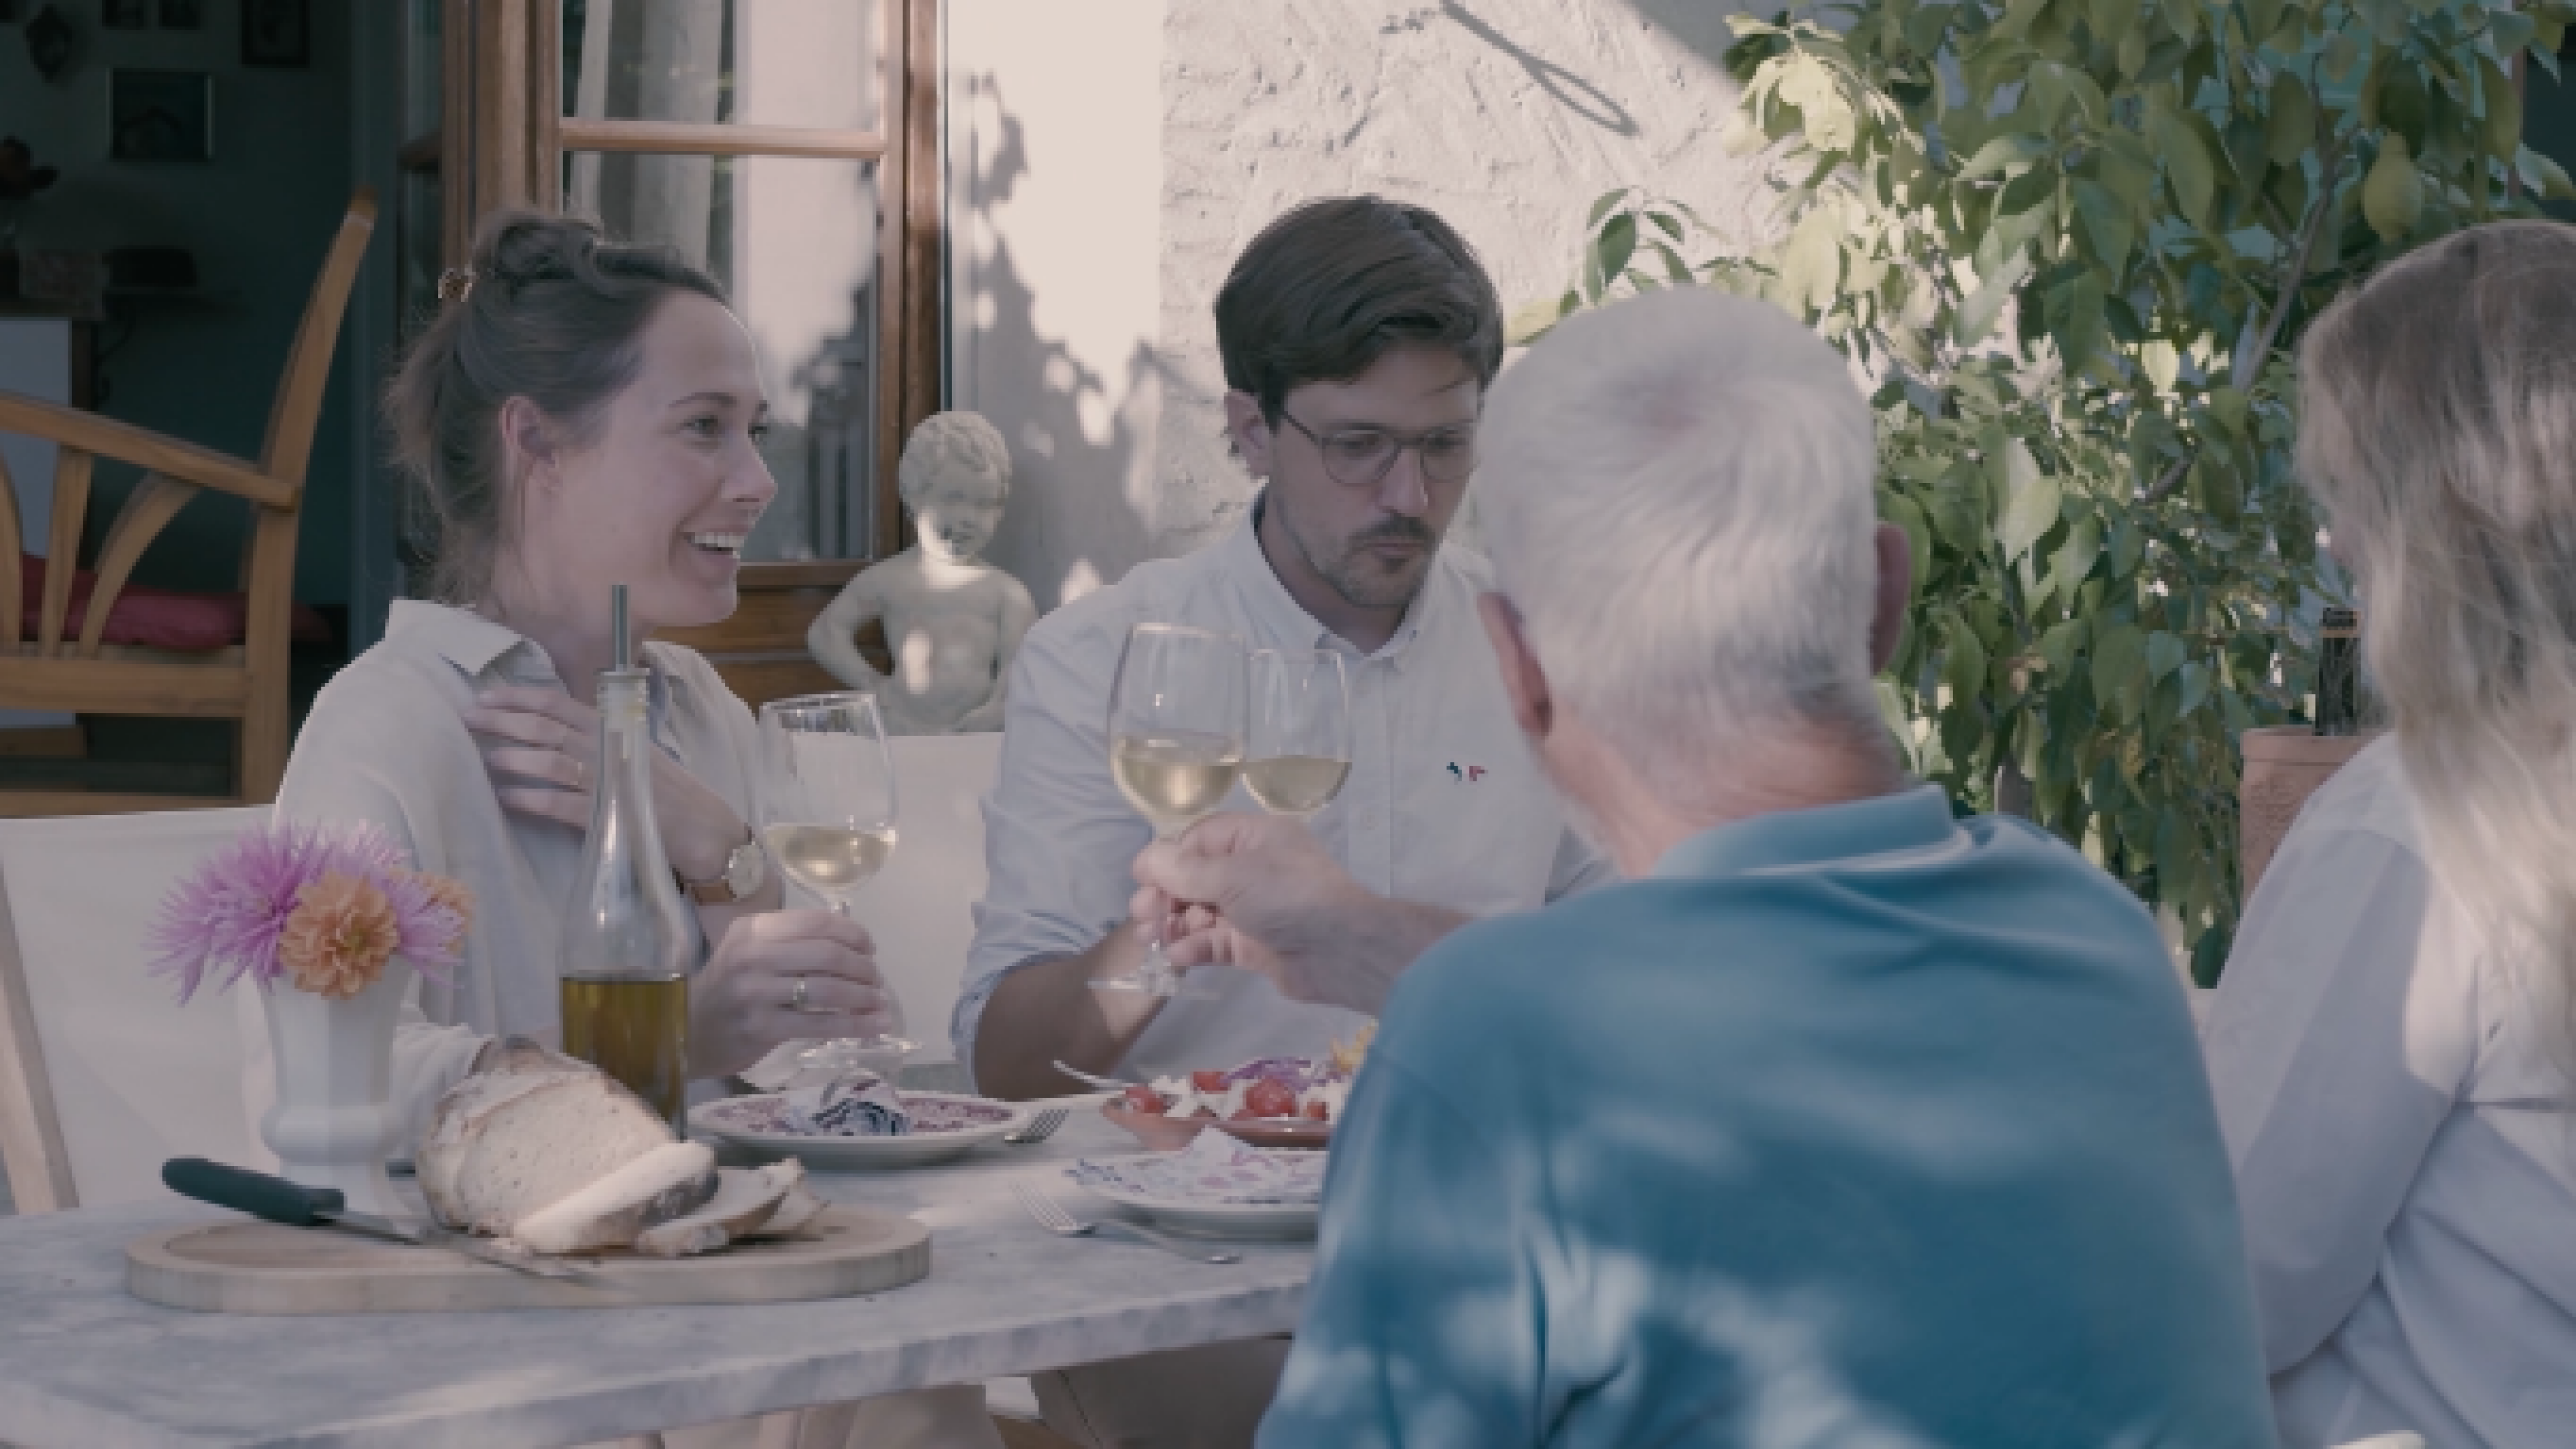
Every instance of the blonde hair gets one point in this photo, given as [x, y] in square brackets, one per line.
[2438, 430]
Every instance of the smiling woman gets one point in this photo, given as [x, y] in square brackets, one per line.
[581, 414]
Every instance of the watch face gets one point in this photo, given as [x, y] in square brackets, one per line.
[743, 868]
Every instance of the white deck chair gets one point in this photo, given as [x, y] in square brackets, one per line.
[922, 908]
[103, 1075]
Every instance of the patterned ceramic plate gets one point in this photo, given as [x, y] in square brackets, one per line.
[945, 1125]
[1149, 1183]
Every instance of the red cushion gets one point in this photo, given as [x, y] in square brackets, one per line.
[155, 618]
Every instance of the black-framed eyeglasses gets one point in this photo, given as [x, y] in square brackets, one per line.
[1359, 457]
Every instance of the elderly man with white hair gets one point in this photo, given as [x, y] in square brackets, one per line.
[1840, 1121]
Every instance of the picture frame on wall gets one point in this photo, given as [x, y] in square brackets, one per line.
[160, 115]
[277, 32]
[125, 14]
[183, 14]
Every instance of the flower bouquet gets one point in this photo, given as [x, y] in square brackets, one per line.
[337, 913]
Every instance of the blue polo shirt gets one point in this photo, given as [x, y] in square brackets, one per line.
[1849, 1126]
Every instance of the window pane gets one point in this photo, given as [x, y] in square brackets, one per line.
[757, 62]
[795, 244]
[422, 44]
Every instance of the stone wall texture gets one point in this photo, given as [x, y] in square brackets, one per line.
[1506, 116]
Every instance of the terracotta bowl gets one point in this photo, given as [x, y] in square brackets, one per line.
[1171, 1134]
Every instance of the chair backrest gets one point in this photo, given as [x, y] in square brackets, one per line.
[103, 1075]
[922, 908]
[297, 409]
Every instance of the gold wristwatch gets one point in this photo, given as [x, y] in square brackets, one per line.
[745, 871]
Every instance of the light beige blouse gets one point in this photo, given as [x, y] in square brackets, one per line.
[386, 742]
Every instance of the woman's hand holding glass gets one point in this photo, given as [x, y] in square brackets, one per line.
[827, 820]
[1176, 742]
[781, 976]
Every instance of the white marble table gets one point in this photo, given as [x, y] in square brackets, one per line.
[83, 1363]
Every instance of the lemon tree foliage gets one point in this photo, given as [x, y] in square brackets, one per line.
[2073, 241]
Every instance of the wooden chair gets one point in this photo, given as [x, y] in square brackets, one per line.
[246, 682]
[103, 1074]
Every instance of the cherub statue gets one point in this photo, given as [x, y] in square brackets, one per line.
[952, 621]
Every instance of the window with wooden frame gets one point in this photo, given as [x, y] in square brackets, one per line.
[788, 146]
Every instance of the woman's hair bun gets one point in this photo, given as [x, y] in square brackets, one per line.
[518, 248]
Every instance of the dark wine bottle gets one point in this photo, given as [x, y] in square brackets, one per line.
[2339, 674]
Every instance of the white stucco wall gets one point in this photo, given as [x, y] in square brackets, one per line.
[1054, 229]
[1108, 161]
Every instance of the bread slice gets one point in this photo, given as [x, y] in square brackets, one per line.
[527, 1132]
[744, 1200]
[799, 1207]
[669, 1182]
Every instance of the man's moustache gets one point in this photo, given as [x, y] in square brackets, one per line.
[1407, 530]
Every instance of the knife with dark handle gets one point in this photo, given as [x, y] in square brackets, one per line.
[297, 1206]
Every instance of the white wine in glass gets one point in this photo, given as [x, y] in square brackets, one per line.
[827, 801]
[1300, 750]
[830, 860]
[1176, 717]
[1174, 779]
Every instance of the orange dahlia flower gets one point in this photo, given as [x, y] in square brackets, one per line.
[339, 936]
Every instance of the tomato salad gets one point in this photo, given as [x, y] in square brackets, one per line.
[1268, 1089]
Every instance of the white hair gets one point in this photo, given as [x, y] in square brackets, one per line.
[950, 440]
[1676, 494]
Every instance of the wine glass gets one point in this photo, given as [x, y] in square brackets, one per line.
[1176, 718]
[1300, 751]
[827, 803]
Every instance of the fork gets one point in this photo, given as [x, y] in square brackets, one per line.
[1039, 1128]
[1056, 1220]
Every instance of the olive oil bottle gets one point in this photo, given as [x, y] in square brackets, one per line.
[629, 944]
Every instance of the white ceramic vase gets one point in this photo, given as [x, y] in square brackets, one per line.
[334, 1122]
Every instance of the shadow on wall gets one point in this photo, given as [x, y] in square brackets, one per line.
[1075, 441]
[1568, 89]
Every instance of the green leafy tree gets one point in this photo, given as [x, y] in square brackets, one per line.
[2073, 242]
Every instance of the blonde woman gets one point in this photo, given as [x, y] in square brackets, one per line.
[2391, 1042]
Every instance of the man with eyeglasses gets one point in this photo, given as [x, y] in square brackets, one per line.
[1358, 337]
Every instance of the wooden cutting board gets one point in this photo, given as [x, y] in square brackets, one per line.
[255, 1267]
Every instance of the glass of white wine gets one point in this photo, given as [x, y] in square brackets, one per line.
[827, 806]
[1300, 750]
[1176, 725]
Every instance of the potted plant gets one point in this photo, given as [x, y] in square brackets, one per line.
[2072, 243]
[328, 922]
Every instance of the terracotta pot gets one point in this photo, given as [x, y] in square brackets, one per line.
[2283, 767]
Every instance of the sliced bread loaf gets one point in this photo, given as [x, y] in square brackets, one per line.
[527, 1132]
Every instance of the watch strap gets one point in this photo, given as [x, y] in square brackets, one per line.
[719, 891]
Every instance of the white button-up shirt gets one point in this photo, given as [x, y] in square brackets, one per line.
[2405, 1150]
[1445, 804]
[386, 742]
